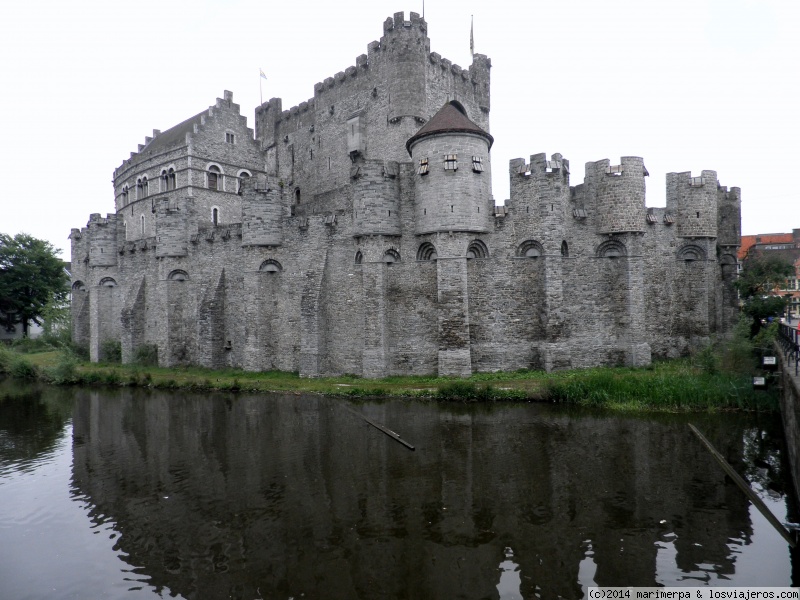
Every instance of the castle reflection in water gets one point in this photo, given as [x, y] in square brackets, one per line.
[274, 497]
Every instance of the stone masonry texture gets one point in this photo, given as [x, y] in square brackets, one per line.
[332, 238]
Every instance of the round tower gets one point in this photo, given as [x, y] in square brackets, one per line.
[695, 201]
[262, 213]
[619, 194]
[376, 198]
[452, 180]
[102, 240]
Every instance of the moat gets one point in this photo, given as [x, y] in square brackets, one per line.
[137, 494]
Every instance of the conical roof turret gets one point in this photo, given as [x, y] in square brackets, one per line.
[451, 118]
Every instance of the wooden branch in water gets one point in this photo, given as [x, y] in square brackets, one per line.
[743, 485]
[395, 436]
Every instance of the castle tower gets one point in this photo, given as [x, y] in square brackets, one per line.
[171, 233]
[406, 45]
[262, 213]
[102, 240]
[452, 190]
[618, 192]
[376, 197]
[729, 216]
[694, 200]
[453, 175]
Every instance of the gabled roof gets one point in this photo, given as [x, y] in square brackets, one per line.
[451, 118]
[748, 241]
[174, 136]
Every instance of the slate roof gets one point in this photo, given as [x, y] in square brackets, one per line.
[174, 136]
[449, 119]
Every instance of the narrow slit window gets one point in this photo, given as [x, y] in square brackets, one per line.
[423, 166]
[451, 162]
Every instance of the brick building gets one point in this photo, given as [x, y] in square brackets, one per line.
[786, 246]
[356, 233]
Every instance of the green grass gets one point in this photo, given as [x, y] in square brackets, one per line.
[705, 382]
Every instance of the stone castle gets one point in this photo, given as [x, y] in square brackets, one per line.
[356, 233]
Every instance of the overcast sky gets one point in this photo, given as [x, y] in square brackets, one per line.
[686, 84]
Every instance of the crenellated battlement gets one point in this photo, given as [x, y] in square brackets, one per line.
[694, 199]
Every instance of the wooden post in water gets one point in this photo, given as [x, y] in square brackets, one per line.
[738, 480]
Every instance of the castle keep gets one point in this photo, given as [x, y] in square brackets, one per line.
[356, 233]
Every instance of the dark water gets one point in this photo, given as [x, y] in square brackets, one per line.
[130, 494]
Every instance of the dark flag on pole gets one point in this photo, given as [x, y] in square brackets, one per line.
[471, 37]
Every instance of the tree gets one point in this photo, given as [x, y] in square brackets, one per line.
[31, 277]
[761, 276]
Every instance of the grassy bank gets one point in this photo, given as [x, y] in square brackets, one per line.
[700, 383]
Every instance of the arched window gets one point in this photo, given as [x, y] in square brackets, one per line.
[691, 252]
[611, 249]
[391, 256]
[163, 181]
[242, 176]
[108, 282]
[124, 195]
[426, 252]
[78, 286]
[171, 179]
[214, 178]
[215, 216]
[270, 266]
[297, 196]
[530, 249]
[564, 248]
[477, 249]
[178, 275]
[145, 190]
[359, 258]
[139, 189]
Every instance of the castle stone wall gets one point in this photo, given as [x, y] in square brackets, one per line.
[340, 254]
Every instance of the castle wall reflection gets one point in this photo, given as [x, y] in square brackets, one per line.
[278, 496]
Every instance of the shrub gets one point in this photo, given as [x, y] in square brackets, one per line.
[28, 345]
[111, 351]
[21, 368]
[146, 355]
[64, 372]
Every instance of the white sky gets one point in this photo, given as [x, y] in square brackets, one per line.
[686, 84]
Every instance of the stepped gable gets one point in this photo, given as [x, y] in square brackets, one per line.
[451, 118]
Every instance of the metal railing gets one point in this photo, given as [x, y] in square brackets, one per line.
[789, 339]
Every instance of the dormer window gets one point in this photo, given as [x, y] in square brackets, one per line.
[451, 162]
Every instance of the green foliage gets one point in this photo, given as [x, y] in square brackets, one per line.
[111, 351]
[21, 368]
[57, 324]
[29, 345]
[65, 370]
[761, 275]
[707, 360]
[31, 278]
[146, 355]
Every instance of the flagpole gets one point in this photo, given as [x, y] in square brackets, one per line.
[260, 93]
